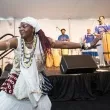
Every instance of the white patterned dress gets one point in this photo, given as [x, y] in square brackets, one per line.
[16, 91]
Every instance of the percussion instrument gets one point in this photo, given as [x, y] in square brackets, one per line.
[56, 57]
[91, 52]
[106, 46]
[64, 51]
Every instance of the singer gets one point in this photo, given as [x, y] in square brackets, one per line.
[99, 30]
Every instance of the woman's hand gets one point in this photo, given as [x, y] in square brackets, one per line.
[73, 45]
[9, 44]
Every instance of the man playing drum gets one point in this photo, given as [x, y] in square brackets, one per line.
[99, 31]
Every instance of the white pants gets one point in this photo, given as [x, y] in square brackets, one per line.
[100, 53]
[9, 102]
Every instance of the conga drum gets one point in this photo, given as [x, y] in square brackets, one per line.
[106, 46]
[64, 51]
[56, 57]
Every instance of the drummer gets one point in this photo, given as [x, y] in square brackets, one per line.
[64, 37]
[99, 30]
[88, 38]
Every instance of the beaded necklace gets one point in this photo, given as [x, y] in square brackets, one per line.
[26, 58]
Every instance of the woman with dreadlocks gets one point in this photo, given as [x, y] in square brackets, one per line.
[27, 86]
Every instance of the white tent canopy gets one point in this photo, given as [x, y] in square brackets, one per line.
[73, 15]
[55, 9]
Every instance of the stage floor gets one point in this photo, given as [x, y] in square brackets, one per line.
[53, 71]
[79, 92]
[56, 70]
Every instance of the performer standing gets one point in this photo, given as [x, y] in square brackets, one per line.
[27, 86]
[99, 30]
[64, 37]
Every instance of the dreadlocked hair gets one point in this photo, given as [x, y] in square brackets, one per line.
[46, 45]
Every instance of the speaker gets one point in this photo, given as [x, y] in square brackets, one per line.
[72, 64]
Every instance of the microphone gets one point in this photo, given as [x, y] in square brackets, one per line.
[58, 28]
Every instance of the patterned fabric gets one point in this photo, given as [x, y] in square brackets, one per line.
[9, 83]
[46, 86]
[102, 28]
[39, 59]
